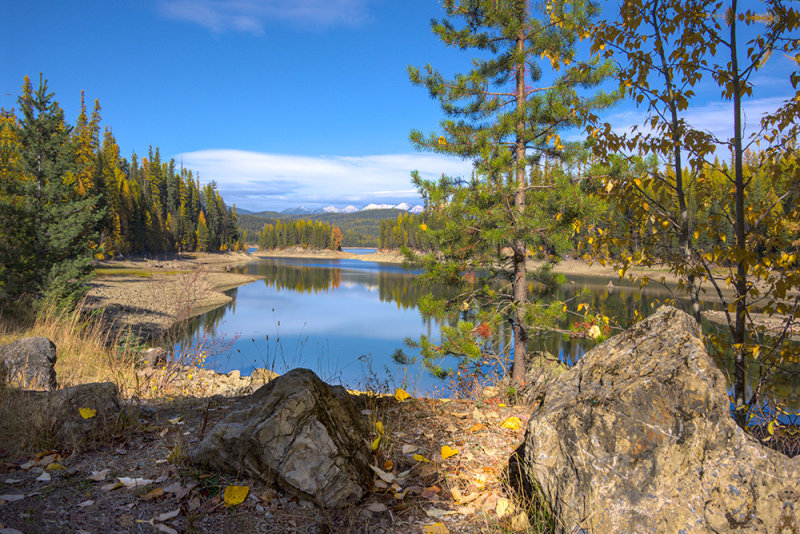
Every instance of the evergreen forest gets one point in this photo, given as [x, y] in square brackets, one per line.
[67, 197]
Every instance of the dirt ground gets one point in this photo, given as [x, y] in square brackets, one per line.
[67, 491]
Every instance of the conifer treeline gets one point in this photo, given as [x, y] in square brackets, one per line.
[408, 230]
[147, 205]
[304, 233]
[66, 196]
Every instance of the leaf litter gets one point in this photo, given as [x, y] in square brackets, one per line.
[458, 447]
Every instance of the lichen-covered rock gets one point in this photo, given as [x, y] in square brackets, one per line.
[29, 363]
[541, 369]
[295, 431]
[638, 437]
[84, 413]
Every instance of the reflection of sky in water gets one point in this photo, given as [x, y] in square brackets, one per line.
[327, 315]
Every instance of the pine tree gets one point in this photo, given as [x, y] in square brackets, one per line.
[56, 222]
[509, 129]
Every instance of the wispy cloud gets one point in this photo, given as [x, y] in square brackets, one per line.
[252, 15]
[715, 118]
[260, 181]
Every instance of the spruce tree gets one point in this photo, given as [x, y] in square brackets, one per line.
[56, 221]
[485, 226]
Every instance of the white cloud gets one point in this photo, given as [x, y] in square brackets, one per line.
[715, 118]
[260, 181]
[251, 15]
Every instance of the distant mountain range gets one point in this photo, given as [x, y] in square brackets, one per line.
[302, 210]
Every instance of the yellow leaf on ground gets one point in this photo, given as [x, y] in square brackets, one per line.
[87, 413]
[235, 494]
[54, 466]
[420, 458]
[376, 443]
[512, 422]
[447, 452]
[379, 427]
[435, 528]
[401, 395]
[153, 493]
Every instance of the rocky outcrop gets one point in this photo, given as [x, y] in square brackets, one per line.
[296, 432]
[83, 413]
[29, 363]
[638, 437]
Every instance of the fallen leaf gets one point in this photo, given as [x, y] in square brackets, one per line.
[11, 498]
[379, 427]
[376, 507]
[477, 427]
[54, 466]
[401, 395]
[512, 422]
[87, 413]
[448, 451]
[380, 484]
[408, 449]
[9, 530]
[177, 489]
[435, 528]
[111, 486]
[429, 493]
[98, 476]
[134, 482]
[44, 477]
[160, 527]
[420, 458]
[166, 516]
[153, 493]
[386, 477]
[13, 480]
[175, 420]
[501, 405]
[27, 465]
[438, 513]
[502, 507]
[235, 494]
[86, 503]
[388, 465]
[376, 443]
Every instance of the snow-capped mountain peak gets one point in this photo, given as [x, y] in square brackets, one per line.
[331, 209]
[377, 207]
[416, 209]
[350, 209]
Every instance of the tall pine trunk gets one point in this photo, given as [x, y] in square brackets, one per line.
[519, 282]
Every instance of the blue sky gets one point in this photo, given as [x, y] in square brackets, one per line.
[282, 103]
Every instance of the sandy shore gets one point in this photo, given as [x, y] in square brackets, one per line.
[150, 295]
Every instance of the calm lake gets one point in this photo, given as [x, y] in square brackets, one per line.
[345, 318]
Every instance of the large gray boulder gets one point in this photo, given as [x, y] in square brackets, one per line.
[29, 363]
[298, 432]
[638, 437]
[83, 414]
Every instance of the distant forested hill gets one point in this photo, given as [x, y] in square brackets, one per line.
[360, 229]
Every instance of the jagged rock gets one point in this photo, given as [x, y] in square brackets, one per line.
[73, 429]
[638, 437]
[29, 363]
[298, 432]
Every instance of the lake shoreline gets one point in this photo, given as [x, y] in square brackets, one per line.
[150, 295]
[570, 266]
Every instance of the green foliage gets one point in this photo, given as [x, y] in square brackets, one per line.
[726, 226]
[65, 198]
[304, 233]
[523, 195]
[47, 228]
